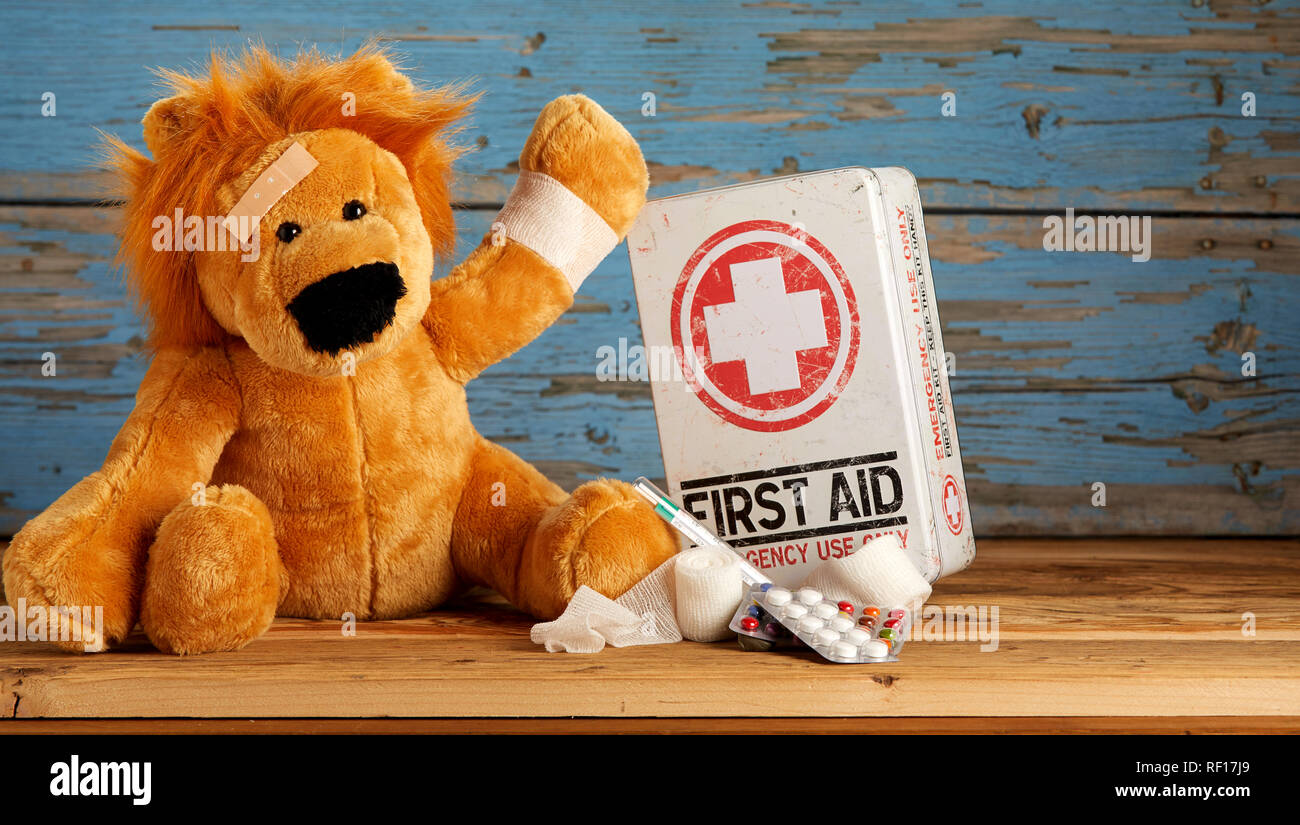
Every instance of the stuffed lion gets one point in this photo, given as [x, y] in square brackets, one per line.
[301, 444]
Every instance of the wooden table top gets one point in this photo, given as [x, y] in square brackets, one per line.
[1126, 635]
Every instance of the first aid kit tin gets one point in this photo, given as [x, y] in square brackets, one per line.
[798, 369]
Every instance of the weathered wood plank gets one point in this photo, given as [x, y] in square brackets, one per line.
[434, 676]
[1054, 725]
[1105, 628]
[1070, 369]
[1099, 105]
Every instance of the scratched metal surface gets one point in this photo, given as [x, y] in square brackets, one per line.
[1070, 368]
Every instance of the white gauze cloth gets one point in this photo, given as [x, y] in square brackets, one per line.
[641, 616]
[693, 594]
[880, 573]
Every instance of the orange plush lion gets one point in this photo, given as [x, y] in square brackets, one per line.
[301, 444]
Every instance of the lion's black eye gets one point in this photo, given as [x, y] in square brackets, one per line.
[353, 210]
[287, 231]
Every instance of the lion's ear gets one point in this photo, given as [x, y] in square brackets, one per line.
[165, 121]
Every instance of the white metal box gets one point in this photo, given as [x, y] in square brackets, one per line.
[808, 407]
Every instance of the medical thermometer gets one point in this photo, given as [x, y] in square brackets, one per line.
[698, 534]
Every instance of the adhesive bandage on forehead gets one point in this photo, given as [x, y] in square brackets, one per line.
[284, 173]
[543, 215]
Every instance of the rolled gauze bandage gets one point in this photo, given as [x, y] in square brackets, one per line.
[708, 592]
[880, 573]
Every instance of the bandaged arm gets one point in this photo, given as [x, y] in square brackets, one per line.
[521, 278]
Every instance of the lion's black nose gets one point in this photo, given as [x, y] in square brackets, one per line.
[349, 307]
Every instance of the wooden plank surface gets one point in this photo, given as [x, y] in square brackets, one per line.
[1070, 369]
[1100, 105]
[1091, 628]
[891, 725]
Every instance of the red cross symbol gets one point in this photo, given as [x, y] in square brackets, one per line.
[952, 512]
[766, 325]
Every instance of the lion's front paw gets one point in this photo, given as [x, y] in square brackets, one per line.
[214, 576]
[603, 536]
[88, 601]
[582, 146]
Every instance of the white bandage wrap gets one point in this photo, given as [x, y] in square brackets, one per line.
[879, 573]
[543, 215]
[709, 588]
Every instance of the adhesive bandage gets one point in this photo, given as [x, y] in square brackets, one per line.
[284, 173]
[543, 215]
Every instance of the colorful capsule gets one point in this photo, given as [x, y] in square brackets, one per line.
[846, 607]
[749, 623]
[897, 613]
[868, 622]
[888, 633]
[871, 611]
[754, 611]
[890, 623]
[765, 586]
[772, 629]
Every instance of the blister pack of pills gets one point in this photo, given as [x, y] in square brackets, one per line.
[840, 631]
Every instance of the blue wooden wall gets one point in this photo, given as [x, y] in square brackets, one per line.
[1071, 369]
